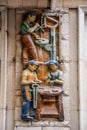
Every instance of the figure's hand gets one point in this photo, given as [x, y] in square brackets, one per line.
[56, 80]
[32, 82]
[51, 82]
[38, 81]
[37, 36]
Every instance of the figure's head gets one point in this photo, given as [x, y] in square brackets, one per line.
[33, 65]
[31, 17]
[53, 65]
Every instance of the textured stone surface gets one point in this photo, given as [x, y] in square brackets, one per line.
[10, 119]
[14, 4]
[66, 102]
[64, 46]
[17, 113]
[65, 28]
[55, 4]
[18, 93]
[28, 128]
[65, 18]
[74, 118]
[18, 101]
[61, 124]
[35, 3]
[67, 114]
[18, 81]
[73, 4]
[73, 69]
[22, 124]
[2, 121]
[40, 123]
[73, 86]
[55, 128]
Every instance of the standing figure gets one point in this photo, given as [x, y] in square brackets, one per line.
[29, 77]
[28, 28]
[55, 76]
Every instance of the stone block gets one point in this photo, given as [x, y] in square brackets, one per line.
[17, 123]
[66, 81]
[18, 93]
[18, 67]
[73, 35]
[29, 3]
[18, 101]
[65, 28]
[19, 18]
[42, 4]
[67, 114]
[28, 128]
[11, 84]
[73, 86]
[2, 85]
[3, 2]
[14, 4]
[14, 128]
[35, 3]
[17, 113]
[65, 18]
[83, 117]
[56, 128]
[56, 4]
[60, 124]
[74, 115]
[18, 81]
[83, 84]
[22, 123]
[2, 121]
[73, 4]
[10, 119]
[40, 123]
[18, 50]
[66, 102]
[67, 67]
[65, 48]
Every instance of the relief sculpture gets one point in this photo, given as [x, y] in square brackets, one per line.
[42, 79]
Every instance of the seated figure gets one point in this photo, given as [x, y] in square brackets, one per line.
[54, 76]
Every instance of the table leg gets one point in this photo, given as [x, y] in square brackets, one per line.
[59, 105]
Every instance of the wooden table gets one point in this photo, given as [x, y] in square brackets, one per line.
[50, 103]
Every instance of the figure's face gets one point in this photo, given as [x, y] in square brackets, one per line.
[31, 19]
[32, 67]
[53, 67]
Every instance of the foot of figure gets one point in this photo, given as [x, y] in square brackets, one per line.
[27, 118]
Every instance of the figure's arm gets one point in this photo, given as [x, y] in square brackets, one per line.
[25, 28]
[32, 29]
[36, 80]
[60, 80]
[46, 79]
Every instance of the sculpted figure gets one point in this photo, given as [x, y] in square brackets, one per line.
[29, 77]
[55, 76]
[28, 29]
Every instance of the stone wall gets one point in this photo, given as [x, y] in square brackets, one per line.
[42, 4]
[68, 52]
